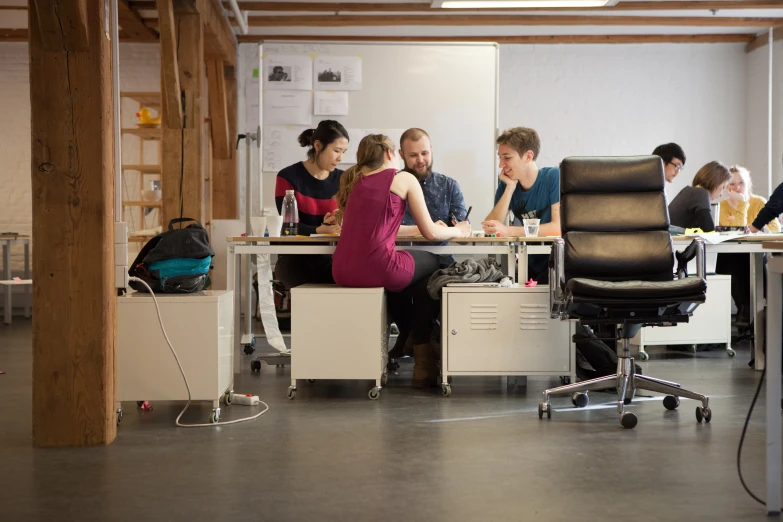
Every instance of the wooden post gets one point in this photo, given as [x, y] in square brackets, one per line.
[74, 304]
[225, 190]
[183, 148]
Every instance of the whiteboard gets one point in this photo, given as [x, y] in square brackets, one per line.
[449, 89]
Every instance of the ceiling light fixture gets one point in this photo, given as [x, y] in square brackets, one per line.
[513, 4]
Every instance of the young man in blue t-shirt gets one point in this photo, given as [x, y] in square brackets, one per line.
[526, 190]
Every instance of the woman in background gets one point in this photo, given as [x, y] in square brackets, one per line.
[691, 207]
[372, 201]
[740, 209]
[315, 182]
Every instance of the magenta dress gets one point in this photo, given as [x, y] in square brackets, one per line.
[365, 255]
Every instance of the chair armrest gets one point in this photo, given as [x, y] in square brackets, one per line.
[557, 299]
[697, 249]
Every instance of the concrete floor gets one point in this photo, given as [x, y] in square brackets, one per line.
[332, 454]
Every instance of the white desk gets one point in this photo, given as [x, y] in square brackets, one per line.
[7, 241]
[505, 248]
[774, 341]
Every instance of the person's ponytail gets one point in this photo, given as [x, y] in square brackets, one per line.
[306, 138]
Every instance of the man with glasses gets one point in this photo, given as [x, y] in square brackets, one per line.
[673, 160]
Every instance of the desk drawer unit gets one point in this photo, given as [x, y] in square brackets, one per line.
[503, 331]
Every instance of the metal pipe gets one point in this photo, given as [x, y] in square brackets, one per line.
[769, 114]
[115, 88]
[240, 18]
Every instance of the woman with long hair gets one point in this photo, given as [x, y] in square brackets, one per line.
[315, 182]
[372, 201]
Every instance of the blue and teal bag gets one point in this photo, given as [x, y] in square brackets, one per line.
[176, 261]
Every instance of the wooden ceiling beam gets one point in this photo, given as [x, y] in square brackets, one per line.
[132, 24]
[505, 20]
[219, 40]
[534, 39]
[763, 39]
[676, 5]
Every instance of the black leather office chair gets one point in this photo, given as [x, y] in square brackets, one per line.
[614, 265]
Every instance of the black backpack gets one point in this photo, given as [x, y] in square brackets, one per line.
[176, 261]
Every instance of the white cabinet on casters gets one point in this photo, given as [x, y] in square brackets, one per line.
[488, 330]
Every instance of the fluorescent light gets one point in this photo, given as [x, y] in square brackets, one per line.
[495, 4]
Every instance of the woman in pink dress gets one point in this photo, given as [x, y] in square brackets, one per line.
[372, 199]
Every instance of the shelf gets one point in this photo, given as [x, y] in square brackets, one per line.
[148, 204]
[151, 100]
[147, 169]
[145, 134]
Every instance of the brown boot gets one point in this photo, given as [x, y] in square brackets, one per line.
[425, 366]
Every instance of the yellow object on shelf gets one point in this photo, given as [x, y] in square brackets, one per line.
[145, 117]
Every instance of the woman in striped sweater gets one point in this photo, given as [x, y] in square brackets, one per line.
[315, 182]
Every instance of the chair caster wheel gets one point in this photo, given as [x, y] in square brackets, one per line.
[704, 414]
[249, 349]
[628, 420]
[670, 402]
[255, 366]
[544, 408]
[446, 390]
[291, 392]
[627, 401]
[565, 379]
[580, 400]
[644, 356]
[730, 352]
[374, 393]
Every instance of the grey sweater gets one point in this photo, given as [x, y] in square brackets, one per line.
[468, 271]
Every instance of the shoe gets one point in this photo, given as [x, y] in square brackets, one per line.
[425, 366]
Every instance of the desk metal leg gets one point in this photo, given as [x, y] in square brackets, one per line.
[522, 267]
[233, 280]
[8, 288]
[756, 307]
[774, 337]
[28, 288]
[512, 265]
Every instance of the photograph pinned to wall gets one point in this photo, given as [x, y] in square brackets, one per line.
[338, 73]
[330, 103]
[288, 107]
[283, 72]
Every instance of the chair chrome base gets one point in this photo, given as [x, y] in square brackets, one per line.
[627, 381]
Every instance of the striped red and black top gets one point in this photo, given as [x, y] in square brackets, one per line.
[314, 197]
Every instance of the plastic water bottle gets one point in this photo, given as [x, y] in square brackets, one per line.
[290, 215]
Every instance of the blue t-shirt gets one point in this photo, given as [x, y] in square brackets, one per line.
[537, 201]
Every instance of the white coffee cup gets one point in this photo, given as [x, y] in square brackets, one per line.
[274, 223]
[258, 224]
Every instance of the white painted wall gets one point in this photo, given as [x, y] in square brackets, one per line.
[756, 107]
[598, 100]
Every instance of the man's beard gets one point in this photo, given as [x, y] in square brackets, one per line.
[420, 177]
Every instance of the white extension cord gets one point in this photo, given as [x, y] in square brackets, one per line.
[184, 377]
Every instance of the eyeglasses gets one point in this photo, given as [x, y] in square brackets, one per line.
[677, 166]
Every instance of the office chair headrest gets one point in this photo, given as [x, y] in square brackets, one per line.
[611, 174]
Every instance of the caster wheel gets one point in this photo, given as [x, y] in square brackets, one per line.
[384, 379]
[580, 400]
[229, 397]
[392, 366]
[139, 403]
[692, 348]
[215, 416]
[255, 366]
[565, 379]
[704, 414]
[628, 420]
[249, 349]
[374, 393]
[311, 381]
[292, 393]
[670, 402]
[544, 408]
[644, 356]
[730, 352]
[119, 416]
[627, 400]
[446, 390]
